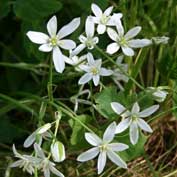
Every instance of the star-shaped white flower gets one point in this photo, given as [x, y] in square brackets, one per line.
[103, 148]
[88, 41]
[93, 70]
[133, 119]
[104, 19]
[54, 41]
[125, 41]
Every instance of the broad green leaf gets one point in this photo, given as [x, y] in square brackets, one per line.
[31, 10]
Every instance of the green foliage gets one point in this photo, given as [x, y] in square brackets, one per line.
[4, 8]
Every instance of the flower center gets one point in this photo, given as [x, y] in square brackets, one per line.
[123, 41]
[89, 43]
[94, 71]
[134, 117]
[104, 19]
[53, 41]
[103, 147]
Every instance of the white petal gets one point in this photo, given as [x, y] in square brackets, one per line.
[120, 28]
[93, 139]
[138, 43]
[108, 11]
[127, 51]
[69, 28]
[89, 27]
[96, 10]
[135, 108]
[67, 44]
[147, 112]
[56, 172]
[90, 59]
[112, 34]
[132, 32]
[58, 60]
[39, 151]
[16, 164]
[116, 159]
[134, 133]
[115, 19]
[45, 48]
[101, 161]
[144, 126]
[123, 125]
[118, 146]
[85, 78]
[37, 37]
[117, 107]
[78, 49]
[96, 79]
[105, 72]
[109, 133]
[82, 38]
[52, 26]
[46, 172]
[88, 155]
[30, 140]
[85, 68]
[101, 29]
[112, 48]
[95, 19]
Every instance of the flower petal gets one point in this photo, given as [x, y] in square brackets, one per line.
[16, 164]
[89, 27]
[112, 48]
[147, 112]
[109, 133]
[123, 125]
[85, 68]
[37, 37]
[134, 133]
[96, 10]
[101, 29]
[105, 72]
[67, 44]
[117, 107]
[108, 11]
[93, 139]
[96, 79]
[120, 28]
[90, 59]
[52, 26]
[88, 155]
[58, 60]
[132, 32]
[127, 51]
[144, 126]
[56, 172]
[112, 34]
[135, 108]
[45, 47]
[46, 172]
[85, 78]
[39, 151]
[116, 159]
[69, 28]
[30, 140]
[78, 49]
[118, 146]
[115, 18]
[138, 43]
[101, 161]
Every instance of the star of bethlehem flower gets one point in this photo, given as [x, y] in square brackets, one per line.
[104, 19]
[118, 75]
[54, 41]
[88, 41]
[26, 162]
[46, 166]
[133, 119]
[104, 148]
[93, 70]
[125, 41]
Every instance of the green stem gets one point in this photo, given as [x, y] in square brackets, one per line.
[49, 86]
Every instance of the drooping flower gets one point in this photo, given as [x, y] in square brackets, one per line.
[125, 41]
[103, 148]
[46, 165]
[160, 40]
[93, 70]
[88, 41]
[133, 119]
[54, 41]
[104, 19]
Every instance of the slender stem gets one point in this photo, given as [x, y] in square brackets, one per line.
[49, 86]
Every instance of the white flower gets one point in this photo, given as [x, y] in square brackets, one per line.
[26, 162]
[133, 119]
[125, 41]
[118, 75]
[89, 40]
[93, 70]
[103, 148]
[54, 41]
[46, 165]
[158, 93]
[104, 19]
[160, 40]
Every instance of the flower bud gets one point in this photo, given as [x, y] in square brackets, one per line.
[44, 128]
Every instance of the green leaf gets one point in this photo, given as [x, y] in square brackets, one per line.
[31, 10]
[4, 8]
